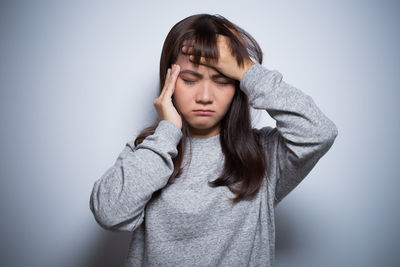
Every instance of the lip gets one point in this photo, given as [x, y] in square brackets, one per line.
[203, 111]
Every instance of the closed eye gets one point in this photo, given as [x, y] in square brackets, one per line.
[223, 83]
[188, 82]
[192, 82]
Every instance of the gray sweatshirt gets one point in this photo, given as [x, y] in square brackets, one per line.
[191, 223]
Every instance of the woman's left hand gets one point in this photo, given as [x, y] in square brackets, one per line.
[226, 64]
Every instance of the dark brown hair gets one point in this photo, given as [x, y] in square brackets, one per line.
[245, 162]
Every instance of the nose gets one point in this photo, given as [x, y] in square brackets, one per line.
[204, 93]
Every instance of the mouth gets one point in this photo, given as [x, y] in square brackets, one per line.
[203, 111]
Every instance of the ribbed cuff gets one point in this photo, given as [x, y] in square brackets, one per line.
[258, 82]
[251, 76]
[169, 131]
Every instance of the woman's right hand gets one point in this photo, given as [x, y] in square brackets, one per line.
[163, 104]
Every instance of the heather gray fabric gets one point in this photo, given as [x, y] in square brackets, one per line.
[192, 224]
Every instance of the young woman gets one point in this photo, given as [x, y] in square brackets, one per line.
[199, 187]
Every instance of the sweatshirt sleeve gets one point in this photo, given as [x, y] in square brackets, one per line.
[303, 134]
[119, 197]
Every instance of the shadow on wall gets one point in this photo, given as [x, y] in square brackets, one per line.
[284, 232]
[110, 249]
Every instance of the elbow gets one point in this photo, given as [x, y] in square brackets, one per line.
[104, 221]
[102, 217]
[330, 132]
[102, 207]
[109, 223]
[113, 222]
[112, 218]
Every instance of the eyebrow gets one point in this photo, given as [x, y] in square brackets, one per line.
[198, 75]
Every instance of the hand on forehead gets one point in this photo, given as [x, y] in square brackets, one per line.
[184, 62]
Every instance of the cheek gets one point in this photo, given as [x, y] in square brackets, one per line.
[181, 96]
[227, 97]
[179, 86]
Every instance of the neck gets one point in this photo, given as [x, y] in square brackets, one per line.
[203, 133]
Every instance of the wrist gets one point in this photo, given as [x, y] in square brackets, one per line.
[247, 65]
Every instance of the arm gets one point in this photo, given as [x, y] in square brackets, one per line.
[303, 134]
[119, 197]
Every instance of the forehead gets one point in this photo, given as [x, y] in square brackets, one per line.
[184, 62]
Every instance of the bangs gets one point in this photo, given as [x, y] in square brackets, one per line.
[203, 38]
[204, 44]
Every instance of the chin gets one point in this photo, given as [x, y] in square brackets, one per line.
[202, 125]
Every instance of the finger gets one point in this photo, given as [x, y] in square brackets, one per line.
[203, 61]
[166, 82]
[187, 49]
[172, 81]
[169, 85]
[187, 43]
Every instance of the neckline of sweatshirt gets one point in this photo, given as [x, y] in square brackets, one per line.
[203, 140]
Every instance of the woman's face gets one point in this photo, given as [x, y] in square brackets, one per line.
[202, 88]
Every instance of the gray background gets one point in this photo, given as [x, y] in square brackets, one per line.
[78, 80]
